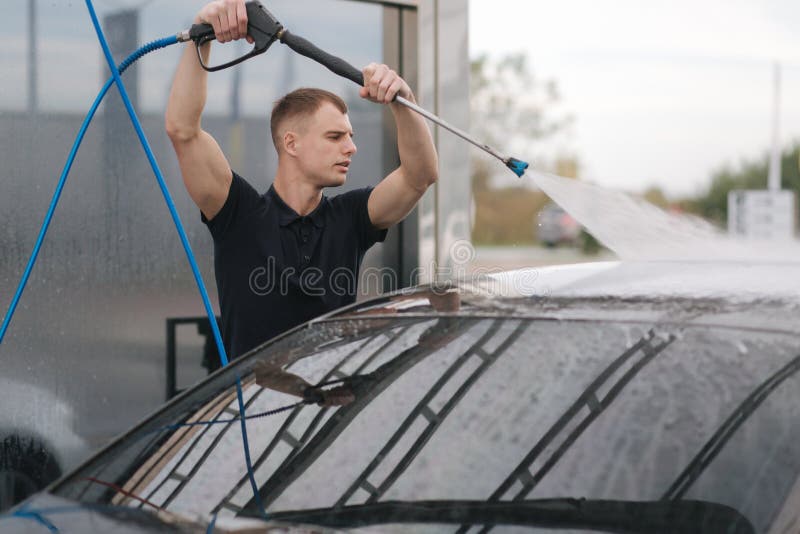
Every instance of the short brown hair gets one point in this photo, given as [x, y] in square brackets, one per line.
[303, 101]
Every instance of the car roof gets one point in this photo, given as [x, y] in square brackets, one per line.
[761, 296]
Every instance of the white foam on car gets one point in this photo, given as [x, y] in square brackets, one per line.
[734, 281]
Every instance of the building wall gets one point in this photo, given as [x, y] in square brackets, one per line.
[444, 228]
[90, 328]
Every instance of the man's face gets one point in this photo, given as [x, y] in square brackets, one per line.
[325, 146]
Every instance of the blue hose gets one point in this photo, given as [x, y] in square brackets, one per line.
[145, 49]
[116, 78]
[184, 240]
[43, 515]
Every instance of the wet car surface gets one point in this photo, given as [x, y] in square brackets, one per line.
[613, 397]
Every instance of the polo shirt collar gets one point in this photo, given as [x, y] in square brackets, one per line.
[286, 215]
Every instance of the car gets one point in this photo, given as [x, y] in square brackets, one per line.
[554, 226]
[35, 442]
[57, 409]
[604, 397]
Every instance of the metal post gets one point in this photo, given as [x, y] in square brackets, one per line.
[33, 74]
[774, 177]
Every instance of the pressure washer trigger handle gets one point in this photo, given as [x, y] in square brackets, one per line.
[261, 26]
[333, 63]
[201, 33]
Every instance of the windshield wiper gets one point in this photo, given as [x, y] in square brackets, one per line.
[606, 515]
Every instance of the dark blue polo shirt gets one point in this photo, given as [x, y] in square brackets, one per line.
[276, 269]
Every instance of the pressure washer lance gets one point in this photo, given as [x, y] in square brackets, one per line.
[265, 30]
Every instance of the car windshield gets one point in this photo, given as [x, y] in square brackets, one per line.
[489, 423]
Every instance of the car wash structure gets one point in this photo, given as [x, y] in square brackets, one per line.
[105, 267]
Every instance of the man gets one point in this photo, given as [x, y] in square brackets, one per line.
[290, 254]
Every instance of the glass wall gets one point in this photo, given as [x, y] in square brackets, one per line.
[85, 353]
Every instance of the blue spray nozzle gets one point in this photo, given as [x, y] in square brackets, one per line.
[518, 166]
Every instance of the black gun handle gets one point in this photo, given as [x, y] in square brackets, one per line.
[202, 33]
[333, 63]
[261, 26]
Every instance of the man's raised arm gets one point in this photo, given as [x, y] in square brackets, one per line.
[206, 172]
[397, 194]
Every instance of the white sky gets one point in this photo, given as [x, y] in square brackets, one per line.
[663, 93]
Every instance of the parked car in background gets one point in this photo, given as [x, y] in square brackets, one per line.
[554, 226]
[58, 408]
[606, 397]
[36, 440]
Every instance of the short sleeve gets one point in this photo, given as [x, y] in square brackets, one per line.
[356, 204]
[242, 199]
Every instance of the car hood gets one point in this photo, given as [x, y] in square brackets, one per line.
[61, 515]
[68, 516]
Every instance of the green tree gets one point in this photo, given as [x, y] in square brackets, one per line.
[510, 109]
[712, 204]
[656, 196]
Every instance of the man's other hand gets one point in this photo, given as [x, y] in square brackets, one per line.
[382, 84]
[227, 17]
